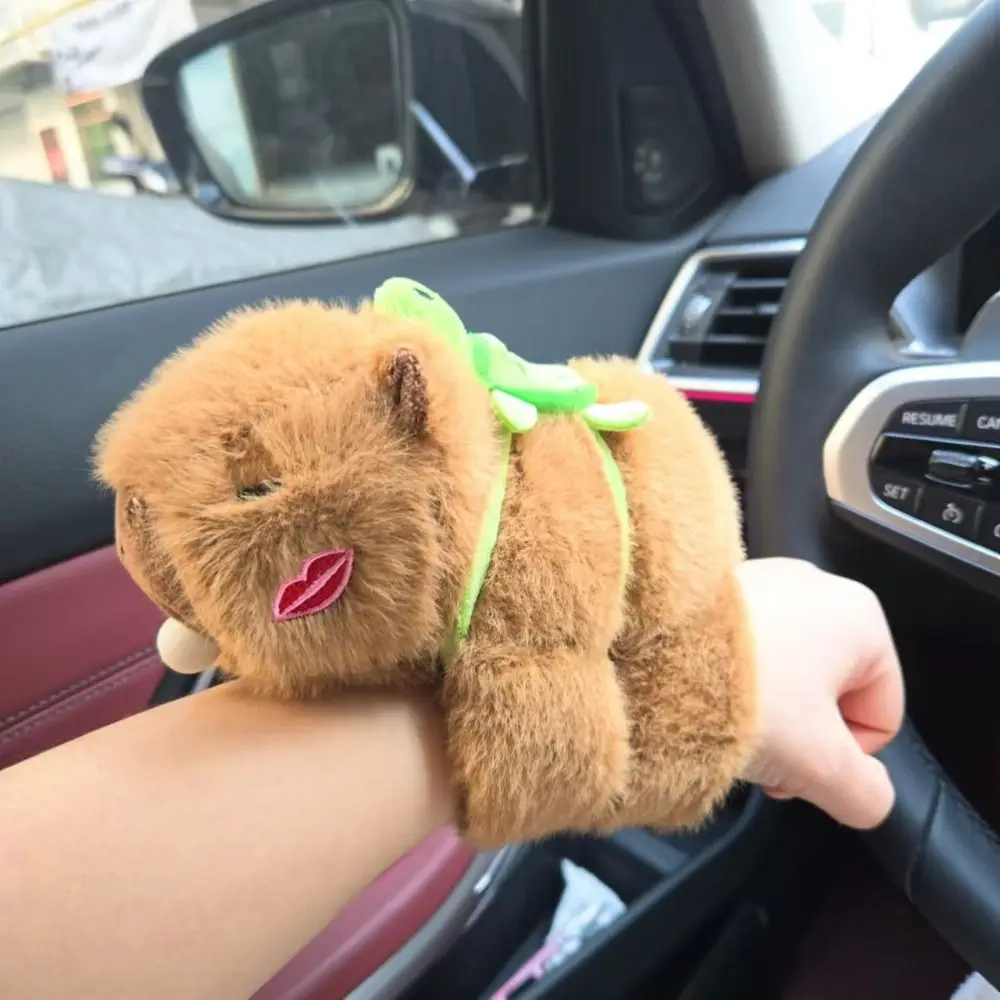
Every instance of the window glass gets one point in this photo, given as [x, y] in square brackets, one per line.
[91, 213]
[839, 63]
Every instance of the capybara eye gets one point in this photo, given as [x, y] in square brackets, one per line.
[258, 490]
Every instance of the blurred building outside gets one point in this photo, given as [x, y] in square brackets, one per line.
[69, 69]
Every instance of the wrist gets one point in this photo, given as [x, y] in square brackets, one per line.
[748, 650]
[401, 779]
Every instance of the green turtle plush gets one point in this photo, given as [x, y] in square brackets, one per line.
[520, 390]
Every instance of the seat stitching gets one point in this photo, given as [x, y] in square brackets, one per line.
[77, 685]
[72, 704]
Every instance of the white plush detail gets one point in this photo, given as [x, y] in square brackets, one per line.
[184, 651]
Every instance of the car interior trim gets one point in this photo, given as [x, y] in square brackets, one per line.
[79, 639]
[719, 386]
[731, 398]
[404, 968]
[204, 680]
[715, 388]
[848, 449]
[689, 272]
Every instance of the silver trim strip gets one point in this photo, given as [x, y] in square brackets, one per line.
[690, 270]
[398, 973]
[204, 680]
[850, 443]
[737, 385]
[503, 863]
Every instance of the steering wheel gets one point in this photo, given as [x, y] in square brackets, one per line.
[848, 424]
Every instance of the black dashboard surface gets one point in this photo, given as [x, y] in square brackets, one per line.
[940, 304]
[788, 205]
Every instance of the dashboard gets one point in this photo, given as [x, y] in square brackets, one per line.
[709, 332]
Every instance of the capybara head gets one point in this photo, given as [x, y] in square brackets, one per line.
[305, 485]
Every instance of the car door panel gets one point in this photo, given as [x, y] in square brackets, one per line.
[78, 652]
[378, 923]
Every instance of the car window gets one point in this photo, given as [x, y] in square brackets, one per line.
[830, 65]
[91, 213]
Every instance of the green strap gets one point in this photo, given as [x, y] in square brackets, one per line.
[490, 531]
[488, 535]
[520, 392]
[618, 496]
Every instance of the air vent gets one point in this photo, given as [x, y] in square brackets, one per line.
[738, 329]
[719, 311]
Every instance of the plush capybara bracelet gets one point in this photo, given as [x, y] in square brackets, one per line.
[320, 498]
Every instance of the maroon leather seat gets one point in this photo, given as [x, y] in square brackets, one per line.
[374, 925]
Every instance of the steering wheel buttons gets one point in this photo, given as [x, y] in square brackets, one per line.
[950, 511]
[982, 422]
[989, 533]
[897, 492]
[954, 468]
[940, 418]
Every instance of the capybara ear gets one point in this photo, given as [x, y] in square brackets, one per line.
[144, 558]
[402, 378]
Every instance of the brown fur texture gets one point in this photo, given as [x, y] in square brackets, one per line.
[571, 705]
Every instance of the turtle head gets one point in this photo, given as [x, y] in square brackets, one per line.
[410, 299]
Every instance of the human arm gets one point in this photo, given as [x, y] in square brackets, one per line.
[190, 851]
[830, 689]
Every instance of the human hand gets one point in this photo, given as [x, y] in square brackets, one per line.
[830, 689]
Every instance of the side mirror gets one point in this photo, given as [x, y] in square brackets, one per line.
[291, 111]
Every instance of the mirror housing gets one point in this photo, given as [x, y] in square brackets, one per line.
[291, 111]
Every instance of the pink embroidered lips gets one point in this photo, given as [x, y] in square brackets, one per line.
[320, 582]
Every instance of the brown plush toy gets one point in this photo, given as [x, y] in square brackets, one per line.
[322, 497]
